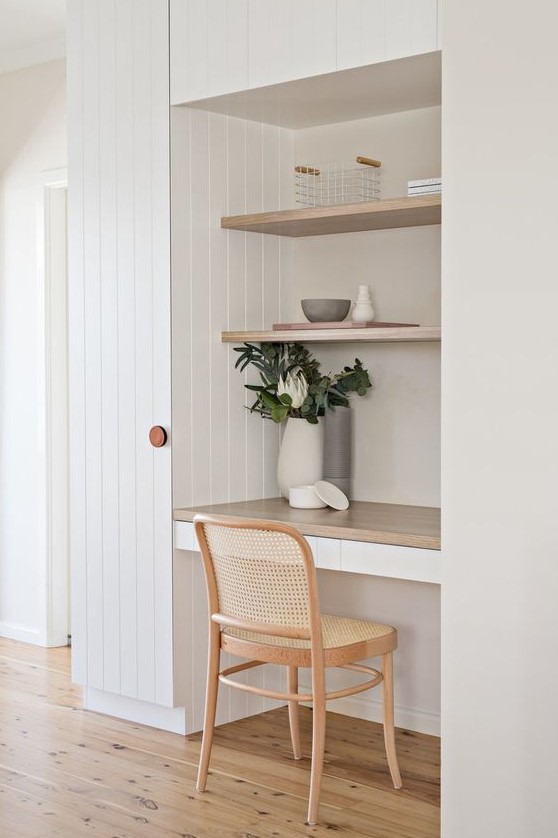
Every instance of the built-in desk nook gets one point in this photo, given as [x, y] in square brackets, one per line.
[376, 539]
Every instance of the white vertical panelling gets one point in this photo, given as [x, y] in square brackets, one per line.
[424, 26]
[126, 359]
[220, 281]
[182, 361]
[271, 284]
[398, 28]
[192, 42]
[182, 404]
[312, 37]
[120, 346]
[269, 59]
[219, 291]
[411, 27]
[184, 652]
[227, 46]
[209, 48]
[92, 359]
[254, 301]
[360, 32]
[200, 325]
[143, 248]
[214, 289]
[236, 244]
[179, 54]
[109, 342]
[76, 339]
[161, 303]
[222, 46]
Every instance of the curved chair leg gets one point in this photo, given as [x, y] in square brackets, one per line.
[293, 712]
[318, 742]
[389, 732]
[210, 704]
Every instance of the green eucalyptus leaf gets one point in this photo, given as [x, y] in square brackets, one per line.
[279, 414]
[269, 400]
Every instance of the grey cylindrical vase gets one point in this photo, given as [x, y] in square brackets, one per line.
[337, 448]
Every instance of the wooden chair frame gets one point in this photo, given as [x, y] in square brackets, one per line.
[315, 657]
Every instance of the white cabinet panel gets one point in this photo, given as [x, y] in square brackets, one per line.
[189, 56]
[360, 32]
[227, 46]
[411, 27]
[312, 37]
[268, 42]
[373, 30]
[328, 553]
[290, 39]
[394, 562]
[424, 26]
[222, 46]
[119, 278]
[209, 48]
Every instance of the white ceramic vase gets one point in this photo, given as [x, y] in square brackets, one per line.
[363, 311]
[301, 455]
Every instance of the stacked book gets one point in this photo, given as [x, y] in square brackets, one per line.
[428, 186]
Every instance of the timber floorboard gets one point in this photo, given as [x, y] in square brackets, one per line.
[66, 772]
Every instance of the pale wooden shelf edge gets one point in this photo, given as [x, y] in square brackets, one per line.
[390, 213]
[406, 334]
[379, 523]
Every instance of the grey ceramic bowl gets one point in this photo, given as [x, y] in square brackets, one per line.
[325, 311]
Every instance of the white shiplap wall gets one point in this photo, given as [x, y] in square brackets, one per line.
[220, 165]
[119, 289]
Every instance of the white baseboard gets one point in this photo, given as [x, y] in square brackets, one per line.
[172, 719]
[371, 709]
[26, 635]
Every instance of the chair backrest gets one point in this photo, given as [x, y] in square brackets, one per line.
[260, 576]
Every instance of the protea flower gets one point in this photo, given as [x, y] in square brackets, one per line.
[295, 386]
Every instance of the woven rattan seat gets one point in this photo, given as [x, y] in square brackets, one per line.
[263, 607]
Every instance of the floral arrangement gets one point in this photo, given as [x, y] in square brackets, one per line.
[292, 384]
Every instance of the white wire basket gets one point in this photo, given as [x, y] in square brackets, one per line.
[344, 182]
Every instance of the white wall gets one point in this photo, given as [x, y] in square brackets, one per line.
[32, 139]
[500, 420]
[396, 456]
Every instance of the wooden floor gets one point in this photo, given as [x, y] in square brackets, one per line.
[67, 772]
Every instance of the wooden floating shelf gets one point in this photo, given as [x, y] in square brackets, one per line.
[341, 218]
[405, 334]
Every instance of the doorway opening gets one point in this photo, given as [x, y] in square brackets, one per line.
[52, 249]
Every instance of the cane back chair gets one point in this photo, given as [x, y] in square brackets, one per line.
[263, 606]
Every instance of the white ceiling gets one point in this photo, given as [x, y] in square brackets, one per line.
[31, 32]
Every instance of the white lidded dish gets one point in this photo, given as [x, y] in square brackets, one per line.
[305, 497]
[331, 495]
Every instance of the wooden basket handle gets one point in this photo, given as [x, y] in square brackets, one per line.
[368, 161]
